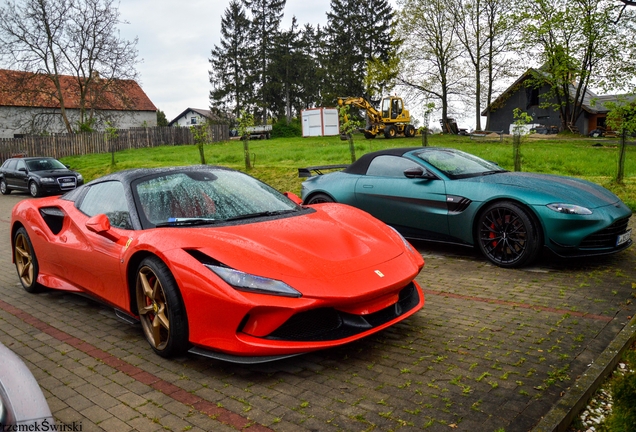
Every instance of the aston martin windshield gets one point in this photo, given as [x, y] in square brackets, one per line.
[186, 198]
[457, 164]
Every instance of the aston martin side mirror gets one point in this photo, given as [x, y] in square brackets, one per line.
[418, 173]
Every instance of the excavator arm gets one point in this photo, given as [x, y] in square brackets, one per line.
[359, 102]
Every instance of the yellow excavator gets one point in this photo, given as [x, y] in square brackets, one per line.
[392, 119]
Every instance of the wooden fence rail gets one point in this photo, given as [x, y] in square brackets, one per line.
[62, 145]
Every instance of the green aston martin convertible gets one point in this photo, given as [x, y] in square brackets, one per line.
[447, 195]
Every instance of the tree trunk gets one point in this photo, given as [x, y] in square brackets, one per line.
[621, 158]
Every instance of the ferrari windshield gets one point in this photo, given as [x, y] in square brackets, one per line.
[197, 197]
[457, 164]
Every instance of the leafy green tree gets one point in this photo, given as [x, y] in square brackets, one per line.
[245, 122]
[521, 119]
[622, 118]
[432, 53]
[201, 136]
[486, 30]
[231, 89]
[348, 126]
[79, 38]
[162, 121]
[582, 45]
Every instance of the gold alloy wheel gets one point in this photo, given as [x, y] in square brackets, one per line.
[153, 309]
[24, 259]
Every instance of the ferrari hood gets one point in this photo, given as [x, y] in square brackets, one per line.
[551, 188]
[330, 242]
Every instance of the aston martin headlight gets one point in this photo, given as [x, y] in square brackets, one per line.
[569, 209]
[252, 283]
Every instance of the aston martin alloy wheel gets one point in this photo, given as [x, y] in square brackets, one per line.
[507, 235]
[320, 198]
[25, 261]
[161, 311]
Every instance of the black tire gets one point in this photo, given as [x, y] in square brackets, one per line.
[368, 135]
[26, 263]
[320, 198]
[34, 189]
[390, 132]
[4, 190]
[160, 308]
[409, 131]
[507, 235]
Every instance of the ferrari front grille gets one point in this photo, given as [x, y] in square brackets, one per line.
[330, 324]
[605, 238]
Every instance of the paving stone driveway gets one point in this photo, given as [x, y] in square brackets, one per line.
[491, 349]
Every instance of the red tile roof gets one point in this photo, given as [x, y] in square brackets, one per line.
[25, 89]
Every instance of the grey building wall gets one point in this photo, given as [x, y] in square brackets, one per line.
[21, 120]
[522, 98]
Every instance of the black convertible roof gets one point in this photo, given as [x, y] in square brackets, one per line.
[360, 166]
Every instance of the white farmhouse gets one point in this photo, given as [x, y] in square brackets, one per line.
[193, 117]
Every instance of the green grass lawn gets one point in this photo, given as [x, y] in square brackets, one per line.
[276, 161]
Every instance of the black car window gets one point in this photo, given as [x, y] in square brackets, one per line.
[20, 164]
[107, 198]
[390, 166]
[10, 164]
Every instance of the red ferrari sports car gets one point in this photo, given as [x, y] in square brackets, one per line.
[213, 261]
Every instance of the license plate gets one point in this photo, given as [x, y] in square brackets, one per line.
[624, 237]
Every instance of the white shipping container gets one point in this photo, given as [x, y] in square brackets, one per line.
[320, 122]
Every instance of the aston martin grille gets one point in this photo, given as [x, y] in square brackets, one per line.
[330, 324]
[606, 237]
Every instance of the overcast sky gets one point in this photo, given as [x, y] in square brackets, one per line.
[175, 40]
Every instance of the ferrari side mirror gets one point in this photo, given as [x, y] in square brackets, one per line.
[100, 224]
[295, 198]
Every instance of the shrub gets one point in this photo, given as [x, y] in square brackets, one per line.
[281, 129]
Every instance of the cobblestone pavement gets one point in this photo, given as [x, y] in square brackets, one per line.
[491, 349]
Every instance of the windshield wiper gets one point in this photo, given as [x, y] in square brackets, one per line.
[485, 173]
[172, 222]
[260, 214]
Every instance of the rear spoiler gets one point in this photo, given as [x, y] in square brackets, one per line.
[306, 172]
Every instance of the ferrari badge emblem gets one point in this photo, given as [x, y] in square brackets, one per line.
[379, 273]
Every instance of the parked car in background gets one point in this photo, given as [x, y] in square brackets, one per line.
[38, 176]
[22, 404]
[446, 195]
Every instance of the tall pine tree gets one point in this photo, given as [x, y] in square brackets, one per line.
[266, 18]
[359, 31]
[231, 89]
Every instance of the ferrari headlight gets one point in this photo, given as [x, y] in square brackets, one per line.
[252, 283]
[405, 241]
[569, 209]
